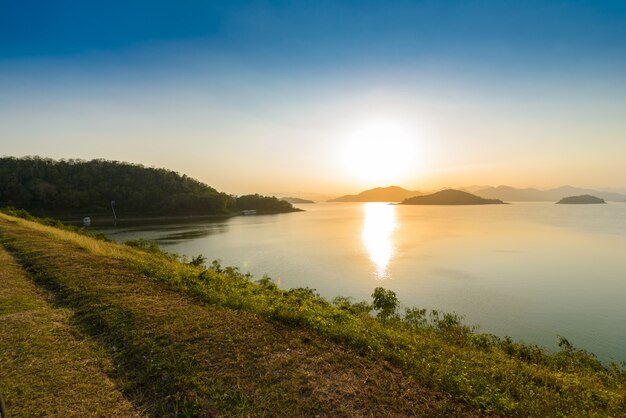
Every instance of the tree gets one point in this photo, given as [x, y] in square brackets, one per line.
[385, 302]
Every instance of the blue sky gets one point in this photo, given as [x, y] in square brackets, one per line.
[525, 93]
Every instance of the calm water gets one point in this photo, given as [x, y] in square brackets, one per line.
[529, 270]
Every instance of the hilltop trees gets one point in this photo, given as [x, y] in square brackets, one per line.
[46, 186]
[263, 203]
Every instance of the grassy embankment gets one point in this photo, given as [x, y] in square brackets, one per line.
[175, 338]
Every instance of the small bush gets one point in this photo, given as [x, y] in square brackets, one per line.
[385, 302]
[151, 247]
[415, 317]
[198, 260]
[267, 282]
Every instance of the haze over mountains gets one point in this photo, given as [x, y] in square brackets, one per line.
[379, 194]
[505, 193]
[296, 200]
[512, 194]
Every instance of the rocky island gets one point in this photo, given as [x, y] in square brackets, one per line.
[585, 199]
[450, 197]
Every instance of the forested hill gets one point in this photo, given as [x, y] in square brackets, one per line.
[51, 187]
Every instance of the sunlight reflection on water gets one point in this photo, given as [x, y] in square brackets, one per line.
[379, 223]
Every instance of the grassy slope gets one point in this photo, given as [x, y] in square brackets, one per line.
[186, 339]
[47, 369]
[172, 355]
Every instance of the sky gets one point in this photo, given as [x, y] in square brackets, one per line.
[326, 97]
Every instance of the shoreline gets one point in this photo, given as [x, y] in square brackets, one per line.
[148, 299]
[103, 221]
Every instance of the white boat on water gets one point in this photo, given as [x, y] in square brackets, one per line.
[248, 212]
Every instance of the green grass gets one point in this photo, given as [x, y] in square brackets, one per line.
[495, 375]
[188, 339]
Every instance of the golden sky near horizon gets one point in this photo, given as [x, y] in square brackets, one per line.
[274, 98]
[331, 143]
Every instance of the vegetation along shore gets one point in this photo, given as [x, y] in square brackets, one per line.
[72, 189]
[92, 327]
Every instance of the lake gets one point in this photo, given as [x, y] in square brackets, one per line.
[529, 270]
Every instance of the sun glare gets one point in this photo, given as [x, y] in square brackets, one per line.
[380, 152]
[378, 226]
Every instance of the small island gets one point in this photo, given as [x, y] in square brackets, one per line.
[585, 199]
[450, 197]
[296, 200]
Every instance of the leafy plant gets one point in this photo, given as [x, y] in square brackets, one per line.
[385, 302]
[198, 260]
[415, 317]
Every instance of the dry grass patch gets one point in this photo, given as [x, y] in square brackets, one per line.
[46, 369]
[94, 246]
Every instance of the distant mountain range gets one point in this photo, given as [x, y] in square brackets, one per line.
[505, 193]
[300, 194]
[450, 197]
[296, 200]
[379, 194]
[512, 194]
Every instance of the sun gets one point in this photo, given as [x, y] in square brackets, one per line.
[380, 152]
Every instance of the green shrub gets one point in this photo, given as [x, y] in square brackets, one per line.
[198, 260]
[385, 302]
[415, 317]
